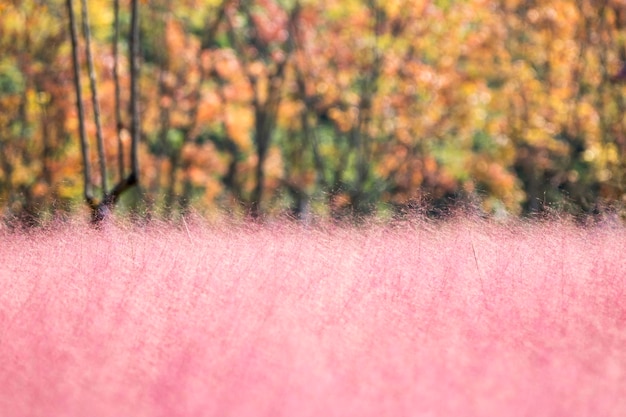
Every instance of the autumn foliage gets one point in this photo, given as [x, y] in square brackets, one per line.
[332, 107]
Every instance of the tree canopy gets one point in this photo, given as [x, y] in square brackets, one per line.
[340, 108]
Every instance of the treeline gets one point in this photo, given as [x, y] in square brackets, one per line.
[339, 108]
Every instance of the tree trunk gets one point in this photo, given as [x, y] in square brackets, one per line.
[101, 209]
[84, 143]
[94, 97]
[262, 139]
[119, 125]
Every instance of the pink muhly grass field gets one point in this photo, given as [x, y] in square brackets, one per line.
[417, 319]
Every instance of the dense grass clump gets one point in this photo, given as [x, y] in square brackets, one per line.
[417, 319]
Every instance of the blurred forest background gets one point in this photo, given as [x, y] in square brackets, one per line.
[333, 107]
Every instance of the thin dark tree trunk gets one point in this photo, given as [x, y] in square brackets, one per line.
[84, 143]
[262, 139]
[101, 209]
[111, 198]
[46, 152]
[134, 88]
[119, 126]
[94, 97]
[265, 113]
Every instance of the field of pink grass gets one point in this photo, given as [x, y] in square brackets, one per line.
[415, 319]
